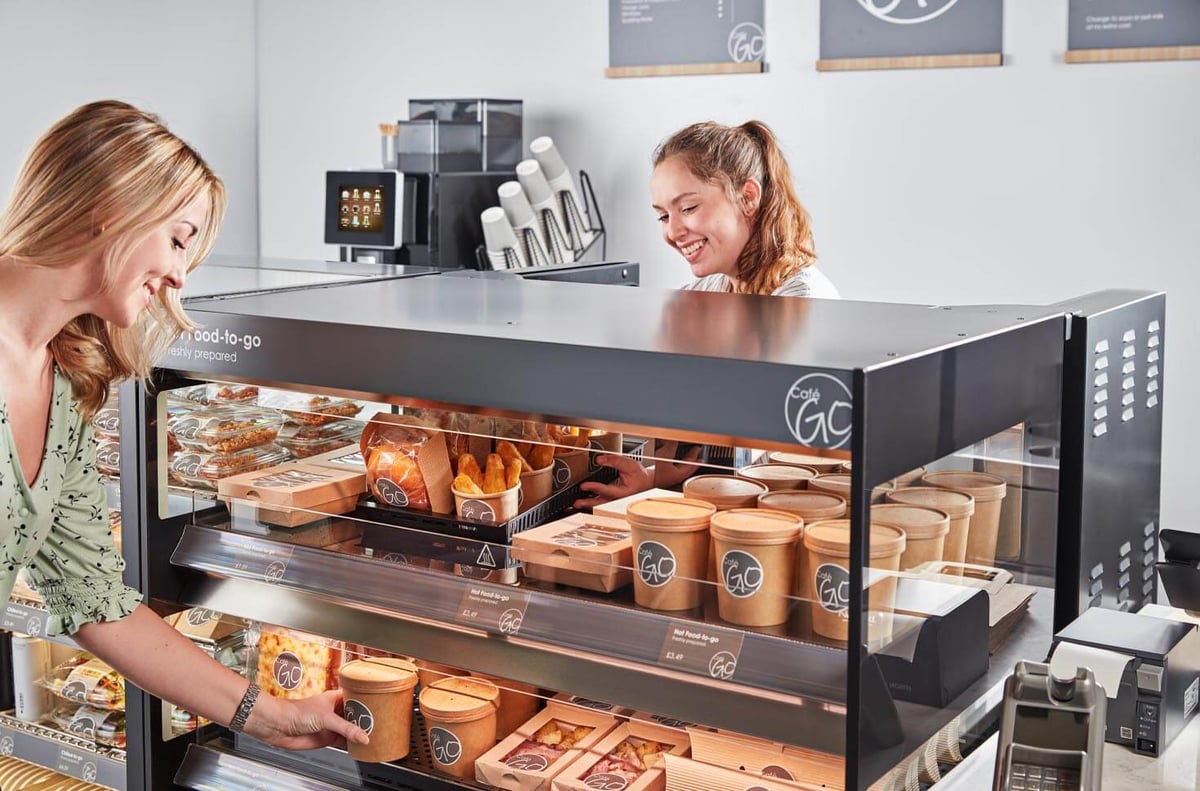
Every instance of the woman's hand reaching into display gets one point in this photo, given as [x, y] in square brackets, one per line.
[304, 724]
[633, 477]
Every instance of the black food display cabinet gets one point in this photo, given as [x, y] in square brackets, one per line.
[883, 389]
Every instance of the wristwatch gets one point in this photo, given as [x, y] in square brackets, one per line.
[238, 723]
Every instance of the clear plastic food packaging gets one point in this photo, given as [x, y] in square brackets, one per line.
[88, 680]
[316, 410]
[225, 429]
[108, 457]
[304, 441]
[102, 726]
[203, 470]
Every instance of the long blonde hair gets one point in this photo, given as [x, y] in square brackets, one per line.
[103, 179]
[781, 242]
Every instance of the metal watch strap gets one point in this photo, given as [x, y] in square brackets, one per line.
[238, 723]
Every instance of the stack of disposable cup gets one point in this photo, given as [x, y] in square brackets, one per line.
[499, 239]
[546, 208]
[558, 176]
[524, 223]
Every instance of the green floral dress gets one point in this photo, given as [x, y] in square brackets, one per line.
[58, 528]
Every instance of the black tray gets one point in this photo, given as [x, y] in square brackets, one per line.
[449, 538]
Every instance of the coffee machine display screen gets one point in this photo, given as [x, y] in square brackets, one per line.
[360, 209]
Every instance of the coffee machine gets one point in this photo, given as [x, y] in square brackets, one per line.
[440, 169]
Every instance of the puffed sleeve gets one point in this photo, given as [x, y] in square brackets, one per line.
[78, 569]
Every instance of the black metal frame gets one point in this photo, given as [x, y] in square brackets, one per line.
[942, 380]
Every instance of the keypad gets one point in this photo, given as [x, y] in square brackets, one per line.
[1030, 777]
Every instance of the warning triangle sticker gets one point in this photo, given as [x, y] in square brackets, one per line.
[485, 557]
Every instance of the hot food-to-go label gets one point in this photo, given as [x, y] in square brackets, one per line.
[212, 344]
[590, 535]
[833, 588]
[606, 782]
[446, 747]
[655, 563]
[290, 478]
[357, 712]
[741, 573]
[702, 649]
[497, 610]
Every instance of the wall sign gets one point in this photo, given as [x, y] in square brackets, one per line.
[1102, 31]
[655, 38]
[910, 34]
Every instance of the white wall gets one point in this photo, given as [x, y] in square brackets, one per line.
[192, 63]
[1028, 183]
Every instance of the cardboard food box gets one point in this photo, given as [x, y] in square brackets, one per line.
[768, 759]
[594, 705]
[205, 626]
[529, 758]
[321, 490]
[631, 757]
[685, 774]
[347, 458]
[616, 508]
[666, 721]
[408, 465]
[592, 552]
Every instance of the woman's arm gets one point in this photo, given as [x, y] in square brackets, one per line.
[160, 660]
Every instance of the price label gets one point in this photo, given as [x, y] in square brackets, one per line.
[501, 611]
[268, 563]
[701, 649]
[76, 764]
[26, 620]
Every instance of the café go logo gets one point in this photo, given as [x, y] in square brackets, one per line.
[447, 749]
[747, 43]
[907, 12]
[819, 409]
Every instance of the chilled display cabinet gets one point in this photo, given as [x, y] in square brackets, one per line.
[875, 659]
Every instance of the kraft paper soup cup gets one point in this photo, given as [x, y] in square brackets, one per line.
[822, 464]
[924, 529]
[724, 491]
[826, 582]
[756, 562]
[957, 505]
[378, 693]
[809, 505]
[670, 551]
[909, 478]
[536, 486]
[518, 703]
[839, 482]
[778, 477]
[429, 672]
[491, 509]
[570, 467]
[988, 491]
[460, 722]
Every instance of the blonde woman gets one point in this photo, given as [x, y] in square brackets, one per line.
[109, 214]
[724, 199]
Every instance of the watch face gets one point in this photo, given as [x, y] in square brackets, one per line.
[360, 209]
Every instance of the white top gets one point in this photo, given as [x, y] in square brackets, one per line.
[808, 282]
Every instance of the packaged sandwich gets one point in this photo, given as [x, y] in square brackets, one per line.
[86, 679]
[102, 726]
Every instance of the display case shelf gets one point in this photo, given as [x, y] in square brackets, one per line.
[208, 767]
[61, 752]
[30, 618]
[608, 653]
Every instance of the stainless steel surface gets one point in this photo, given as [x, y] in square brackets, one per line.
[232, 275]
[207, 768]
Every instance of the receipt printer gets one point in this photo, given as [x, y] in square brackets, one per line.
[1149, 668]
